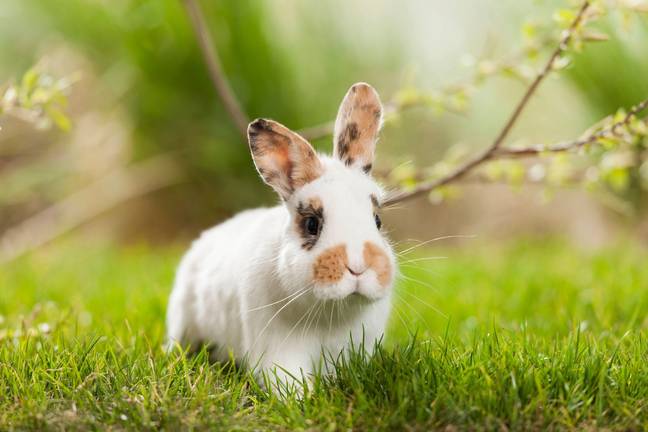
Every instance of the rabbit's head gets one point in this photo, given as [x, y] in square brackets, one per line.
[333, 242]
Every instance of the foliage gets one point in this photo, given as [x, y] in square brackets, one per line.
[612, 156]
[148, 64]
[38, 98]
[559, 343]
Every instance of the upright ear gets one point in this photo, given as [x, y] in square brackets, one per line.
[356, 127]
[284, 159]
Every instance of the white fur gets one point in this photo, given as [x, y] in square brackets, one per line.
[230, 285]
[247, 286]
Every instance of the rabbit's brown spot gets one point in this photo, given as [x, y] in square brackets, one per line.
[330, 266]
[312, 208]
[284, 159]
[367, 168]
[352, 131]
[376, 259]
[374, 201]
[357, 126]
[342, 146]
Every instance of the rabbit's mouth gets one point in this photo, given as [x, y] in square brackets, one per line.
[363, 288]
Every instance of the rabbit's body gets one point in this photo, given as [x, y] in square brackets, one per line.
[277, 287]
[213, 282]
[224, 295]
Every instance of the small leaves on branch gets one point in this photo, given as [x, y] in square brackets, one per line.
[609, 145]
[38, 98]
[624, 128]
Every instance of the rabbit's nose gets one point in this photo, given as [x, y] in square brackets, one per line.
[356, 271]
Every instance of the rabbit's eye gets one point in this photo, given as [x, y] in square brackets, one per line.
[378, 221]
[312, 225]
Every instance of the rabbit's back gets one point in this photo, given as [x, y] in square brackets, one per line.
[214, 278]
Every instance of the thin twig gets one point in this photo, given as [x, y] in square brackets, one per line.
[487, 154]
[531, 151]
[395, 107]
[611, 130]
[562, 46]
[218, 78]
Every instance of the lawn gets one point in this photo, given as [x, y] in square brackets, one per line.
[528, 335]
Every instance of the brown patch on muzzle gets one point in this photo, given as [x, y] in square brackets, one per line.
[330, 266]
[376, 259]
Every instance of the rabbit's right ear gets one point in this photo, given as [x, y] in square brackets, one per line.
[285, 160]
[356, 127]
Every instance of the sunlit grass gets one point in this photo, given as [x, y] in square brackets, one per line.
[524, 336]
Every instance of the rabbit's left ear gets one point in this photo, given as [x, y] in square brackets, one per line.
[356, 127]
[285, 160]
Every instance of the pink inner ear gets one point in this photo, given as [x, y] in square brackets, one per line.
[281, 158]
[285, 160]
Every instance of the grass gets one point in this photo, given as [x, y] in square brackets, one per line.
[532, 335]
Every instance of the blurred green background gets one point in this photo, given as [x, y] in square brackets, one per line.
[116, 151]
[140, 88]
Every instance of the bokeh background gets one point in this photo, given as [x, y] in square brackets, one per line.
[526, 287]
[149, 155]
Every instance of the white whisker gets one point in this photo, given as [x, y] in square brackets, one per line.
[311, 318]
[277, 313]
[400, 316]
[297, 323]
[431, 258]
[413, 309]
[425, 303]
[333, 306]
[420, 282]
[278, 301]
[434, 240]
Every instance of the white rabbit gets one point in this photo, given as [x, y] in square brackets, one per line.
[279, 286]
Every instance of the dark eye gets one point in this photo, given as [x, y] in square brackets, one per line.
[378, 221]
[312, 225]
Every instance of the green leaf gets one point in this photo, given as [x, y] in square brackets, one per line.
[59, 118]
[494, 171]
[618, 178]
[29, 80]
[529, 30]
[564, 17]
[515, 172]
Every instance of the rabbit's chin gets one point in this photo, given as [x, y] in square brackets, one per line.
[363, 289]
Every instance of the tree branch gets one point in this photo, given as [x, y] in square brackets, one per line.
[562, 46]
[218, 78]
[612, 130]
[502, 153]
[488, 154]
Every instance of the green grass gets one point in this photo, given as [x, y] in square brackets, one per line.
[530, 335]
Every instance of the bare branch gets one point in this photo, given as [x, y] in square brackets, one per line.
[216, 73]
[488, 154]
[562, 46]
[611, 130]
[502, 153]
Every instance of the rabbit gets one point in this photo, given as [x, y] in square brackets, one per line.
[278, 287]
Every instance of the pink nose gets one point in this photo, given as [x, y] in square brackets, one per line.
[356, 272]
